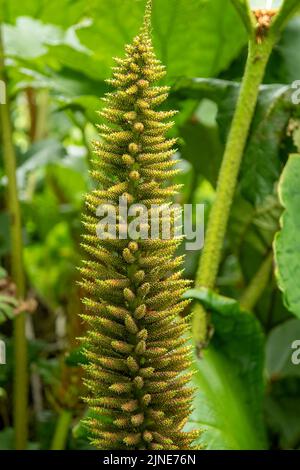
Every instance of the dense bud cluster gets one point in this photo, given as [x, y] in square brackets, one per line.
[264, 19]
[137, 343]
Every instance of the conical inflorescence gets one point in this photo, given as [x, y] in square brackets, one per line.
[136, 344]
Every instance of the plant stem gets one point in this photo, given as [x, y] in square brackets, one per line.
[61, 430]
[42, 115]
[17, 271]
[37, 125]
[31, 100]
[258, 56]
[257, 285]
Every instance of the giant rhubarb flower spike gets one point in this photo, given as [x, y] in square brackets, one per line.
[136, 343]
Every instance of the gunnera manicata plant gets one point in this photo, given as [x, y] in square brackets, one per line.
[136, 343]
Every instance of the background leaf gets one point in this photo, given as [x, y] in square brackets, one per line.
[287, 10]
[279, 350]
[229, 378]
[284, 66]
[282, 409]
[261, 165]
[287, 242]
[206, 50]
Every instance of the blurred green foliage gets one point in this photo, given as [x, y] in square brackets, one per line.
[58, 55]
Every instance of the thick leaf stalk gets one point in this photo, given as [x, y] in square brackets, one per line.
[258, 57]
[258, 284]
[136, 344]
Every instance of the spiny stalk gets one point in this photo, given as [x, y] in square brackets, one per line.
[136, 345]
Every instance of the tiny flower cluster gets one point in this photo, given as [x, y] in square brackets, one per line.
[264, 18]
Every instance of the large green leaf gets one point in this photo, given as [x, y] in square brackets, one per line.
[229, 378]
[213, 38]
[251, 232]
[202, 148]
[243, 227]
[30, 38]
[279, 350]
[261, 166]
[212, 41]
[284, 66]
[47, 56]
[283, 398]
[211, 88]
[282, 410]
[287, 10]
[59, 12]
[287, 241]
[263, 160]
